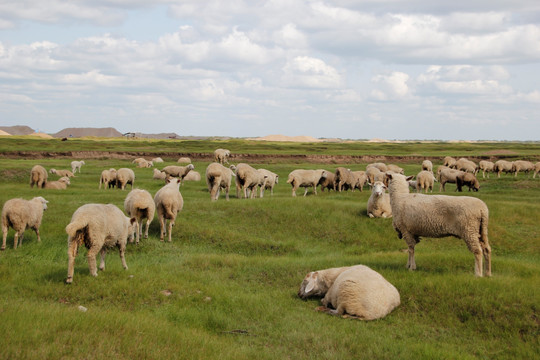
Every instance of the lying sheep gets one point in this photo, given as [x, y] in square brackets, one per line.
[467, 179]
[219, 177]
[140, 205]
[270, 180]
[60, 184]
[138, 160]
[168, 202]
[522, 165]
[145, 164]
[536, 169]
[425, 181]
[62, 173]
[328, 182]
[21, 214]
[108, 178]
[178, 171]
[159, 175]
[502, 165]
[416, 215]
[396, 169]
[486, 167]
[184, 160]
[222, 156]
[344, 179]
[76, 165]
[467, 166]
[449, 162]
[427, 165]
[379, 202]
[305, 178]
[192, 176]
[247, 179]
[157, 160]
[38, 176]
[356, 290]
[124, 176]
[97, 227]
[448, 176]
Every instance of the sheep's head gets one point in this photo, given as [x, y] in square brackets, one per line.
[277, 178]
[52, 171]
[378, 188]
[190, 167]
[397, 183]
[310, 286]
[43, 201]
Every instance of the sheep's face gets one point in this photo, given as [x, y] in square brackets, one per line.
[310, 286]
[43, 202]
[378, 188]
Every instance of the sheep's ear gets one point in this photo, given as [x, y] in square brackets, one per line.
[410, 177]
[388, 175]
[132, 220]
[311, 282]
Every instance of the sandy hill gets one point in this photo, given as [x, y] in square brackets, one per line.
[3, 133]
[81, 132]
[18, 130]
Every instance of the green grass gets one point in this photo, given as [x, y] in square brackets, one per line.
[234, 268]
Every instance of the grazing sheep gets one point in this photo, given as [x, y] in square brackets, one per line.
[157, 160]
[38, 176]
[396, 169]
[305, 178]
[20, 214]
[449, 162]
[192, 176]
[439, 169]
[328, 182]
[159, 175]
[379, 165]
[536, 169]
[222, 156]
[248, 178]
[97, 227]
[486, 167]
[168, 202]
[379, 202]
[178, 171]
[360, 179]
[140, 205]
[522, 165]
[124, 176]
[416, 215]
[60, 184]
[467, 166]
[270, 180]
[425, 181]
[427, 165]
[374, 174]
[108, 178]
[467, 179]
[344, 179]
[62, 173]
[502, 165]
[448, 176]
[76, 165]
[184, 160]
[219, 177]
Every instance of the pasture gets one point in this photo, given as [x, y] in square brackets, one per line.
[226, 287]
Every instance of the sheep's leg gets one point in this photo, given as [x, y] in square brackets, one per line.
[122, 250]
[91, 257]
[474, 246]
[4, 237]
[486, 249]
[171, 224]
[411, 242]
[37, 234]
[305, 192]
[162, 227]
[147, 226]
[72, 253]
[294, 188]
[314, 189]
[214, 191]
[103, 252]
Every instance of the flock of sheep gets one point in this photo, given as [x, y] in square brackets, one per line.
[357, 290]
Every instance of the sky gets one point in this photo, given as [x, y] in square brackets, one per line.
[351, 69]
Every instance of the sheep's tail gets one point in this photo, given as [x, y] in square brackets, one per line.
[75, 226]
[484, 219]
[290, 179]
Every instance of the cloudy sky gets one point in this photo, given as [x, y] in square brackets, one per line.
[360, 69]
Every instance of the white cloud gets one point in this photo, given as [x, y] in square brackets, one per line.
[305, 71]
[392, 86]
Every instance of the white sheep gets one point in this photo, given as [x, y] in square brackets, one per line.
[379, 202]
[178, 171]
[486, 167]
[159, 175]
[424, 181]
[61, 173]
[467, 179]
[449, 162]
[448, 176]
[416, 215]
[184, 160]
[97, 227]
[344, 179]
[76, 165]
[124, 176]
[360, 179]
[248, 179]
[522, 165]
[305, 178]
[157, 160]
[502, 165]
[427, 165]
[396, 169]
[374, 174]
[467, 165]
[219, 177]
[21, 214]
[270, 180]
[108, 178]
[38, 176]
[192, 176]
[328, 182]
[139, 204]
[168, 202]
[222, 156]
[536, 169]
[379, 165]
[145, 164]
[138, 160]
[60, 184]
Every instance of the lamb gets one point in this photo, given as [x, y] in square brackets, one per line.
[427, 165]
[62, 173]
[270, 180]
[522, 165]
[184, 160]
[159, 175]
[97, 227]
[425, 181]
[21, 214]
[356, 290]
[157, 160]
[416, 215]
[486, 167]
[192, 176]
[108, 178]
[139, 204]
[124, 176]
[449, 162]
[60, 184]
[502, 165]
[344, 177]
[467, 166]
[467, 179]
[178, 171]
[448, 176]
[536, 169]
[76, 165]
[360, 179]
[222, 156]
[168, 202]
[328, 182]
[305, 178]
[38, 176]
[219, 177]
[379, 202]
[396, 169]
[247, 178]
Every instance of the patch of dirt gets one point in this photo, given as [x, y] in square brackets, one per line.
[500, 152]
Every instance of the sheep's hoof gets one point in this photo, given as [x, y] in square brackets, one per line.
[2, 248]
[68, 280]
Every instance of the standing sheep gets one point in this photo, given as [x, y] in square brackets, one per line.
[222, 156]
[425, 181]
[21, 214]
[379, 202]
[427, 165]
[219, 177]
[76, 165]
[486, 167]
[270, 180]
[467, 166]
[448, 176]
[168, 202]
[374, 174]
[344, 179]
[360, 179]
[248, 178]
[124, 176]
[305, 178]
[328, 182]
[467, 179]
[416, 215]
[140, 205]
[522, 165]
[449, 162]
[38, 176]
[62, 173]
[60, 184]
[536, 169]
[97, 227]
[502, 165]
[379, 165]
[396, 169]
[108, 178]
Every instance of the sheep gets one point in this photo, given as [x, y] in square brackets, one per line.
[270, 180]
[360, 179]
[448, 176]
[374, 174]
[139, 204]
[328, 182]
[145, 164]
[486, 167]
[379, 202]
[157, 160]
[21, 214]
[425, 181]
[76, 165]
[396, 169]
[467, 166]
[412, 184]
[439, 169]
[107, 178]
[248, 178]
[138, 160]
[379, 165]
[124, 176]
[222, 156]
[305, 178]
[502, 165]
[62, 173]
[536, 169]
[184, 160]
[168, 202]
[467, 179]
[522, 165]
[38, 176]
[416, 215]
[192, 176]
[356, 290]
[178, 171]
[427, 165]
[159, 175]
[449, 162]
[219, 177]
[97, 227]
[344, 177]
[60, 184]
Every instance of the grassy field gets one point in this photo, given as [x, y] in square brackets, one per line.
[226, 286]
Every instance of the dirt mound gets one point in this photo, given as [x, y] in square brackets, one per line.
[3, 133]
[18, 130]
[287, 138]
[82, 132]
[42, 135]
